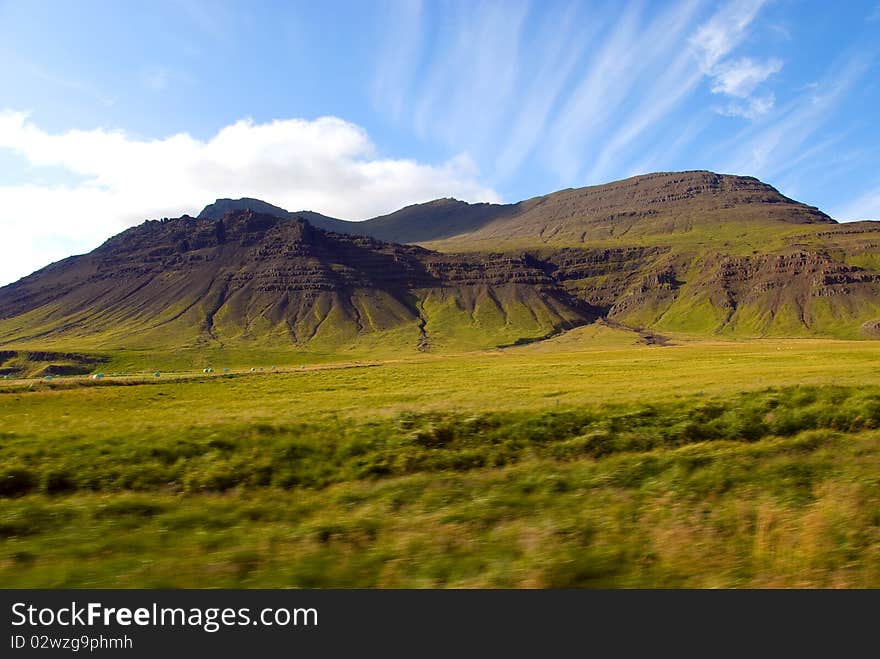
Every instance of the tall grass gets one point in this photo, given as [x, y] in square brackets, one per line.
[777, 487]
[314, 455]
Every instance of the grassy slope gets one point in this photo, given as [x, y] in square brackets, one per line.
[738, 237]
[466, 318]
[692, 312]
[583, 460]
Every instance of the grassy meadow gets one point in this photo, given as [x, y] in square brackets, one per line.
[585, 460]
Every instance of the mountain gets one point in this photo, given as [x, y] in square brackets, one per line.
[412, 224]
[256, 279]
[650, 205]
[221, 207]
[690, 252]
[653, 205]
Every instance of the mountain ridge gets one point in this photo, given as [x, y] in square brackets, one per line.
[647, 198]
[693, 253]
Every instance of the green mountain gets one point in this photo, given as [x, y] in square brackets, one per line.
[261, 281]
[688, 252]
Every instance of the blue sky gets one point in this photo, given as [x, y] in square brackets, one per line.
[112, 113]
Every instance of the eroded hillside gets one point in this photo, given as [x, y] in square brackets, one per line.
[688, 252]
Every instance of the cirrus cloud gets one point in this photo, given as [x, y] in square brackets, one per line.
[750, 108]
[328, 165]
[740, 78]
[737, 79]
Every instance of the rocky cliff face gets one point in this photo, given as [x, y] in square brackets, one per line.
[798, 281]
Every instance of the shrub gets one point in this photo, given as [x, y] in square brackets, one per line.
[57, 482]
[16, 481]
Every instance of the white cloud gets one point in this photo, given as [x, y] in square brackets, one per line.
[750, 108]
[718, 36]
[739, 78]
[770, 149]
[327, 165]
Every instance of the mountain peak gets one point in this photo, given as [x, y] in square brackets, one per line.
[654, 204]
[221, 206]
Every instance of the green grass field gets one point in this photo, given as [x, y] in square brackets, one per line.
[584, 460]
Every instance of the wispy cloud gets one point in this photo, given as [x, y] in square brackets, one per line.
[466, 94]
[671, 74]
[724, 31]
[399, 56]
[663, 90]
[670, 148]
[494, 78]
[736, 78]
[542, 87]
[57, 79]
[574, 88]
[597, 94]
[740, 77]
[781, 30]
[616, 108]
[328, 165]
[750, 108]
[864, 207]
[820, 166]
[770, 149]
